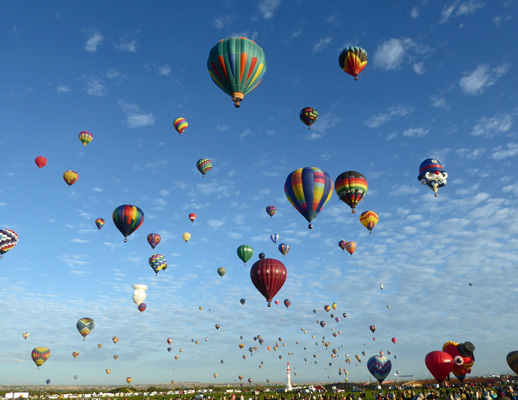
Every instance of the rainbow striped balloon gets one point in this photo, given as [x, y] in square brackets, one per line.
[40, 355]
[351, 186]
[180, 124]
[204, 165]
[127, 219]
[308, 190]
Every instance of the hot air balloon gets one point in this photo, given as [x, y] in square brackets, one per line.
[128, 219]
[245, 252]
[284, 248]
[192, 217]
[394, 340]
[40, 355]
[139, 295]
[70, 177]
[85, 326]
[357, 356]
[129, 379]
[216, 326]
[169, 340]
[204, 165]
[215, 375]
[274, 237]
[75, 377]
[242, 301]
[40, 161]
[381, 285]
[249, 380]
[108, 371]
[322, 324]
[334, 306]
[75, 354]
[153, 239]
[180, 124]
[379, 367]
[372, 328]
[369, 219]
[308, 190]
[287, 303]
[141, 307]
[240, 377]
[440, 364]
[353, 60]
[26, 335]
[268, 275]
[237, 66]
[277, 302]
[350, 247]
[99, 222]
[47, 381]
[100, 345]
[327, 307]
[186, 236]
[351, 186]
[342, 244]
[432, 174]
[241, 346]
[463, 357]
[308, 116]
[115, 356]
[512, 361]
[115, 339]
[85, 137]
[221, 271]
[271, 210]
[157, 262]
[8, 239]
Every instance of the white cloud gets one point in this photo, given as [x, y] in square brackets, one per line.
[418, 68]
[415, 132]
[439, 102]
[63, 89]
[414, 13]
[97, 189]
[391, 54]
[129, 46]
[80, 241]
[458, 8]
[164, 70]
[95, 39]
[381, 119]
[215, 223]
[488, 127]
[477, 81]
[222, 22]
[501, 152]
[135, 117]
[95, 87]
[2, 204]
[245, 133]
[470, 154]
[221, 128]
[268, 7]
[322, 44]
[112, 73]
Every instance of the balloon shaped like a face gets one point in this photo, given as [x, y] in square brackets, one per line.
[463, 357]
[139, 295]
[432, 174]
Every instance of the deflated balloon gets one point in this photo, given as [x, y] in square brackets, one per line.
[308, 190]
[236, 65]
[127, 219]
[85, 326]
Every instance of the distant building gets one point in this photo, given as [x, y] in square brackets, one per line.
[17, 395]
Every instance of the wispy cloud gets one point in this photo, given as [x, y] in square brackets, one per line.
[414, 12]
[325, 123]
[489, 127]
[222, 21]
[418, 68]
[267, 8]
[94, 40]
[470, 154]
[415, 132]
[129, 46]
[439, 102]
[381, 119]
[95, 86]
[459, 8]
[164, 70]
[80, 241]
[135, 117]
[507, 151]
[392, 53]
[322, 44]
[482, 77]
[63, 89]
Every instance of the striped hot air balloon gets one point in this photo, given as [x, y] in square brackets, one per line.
[180, 124]
[8, 239]
[85, 137]
[369, 219]
[127, 219]
[353, 60]
[351, 186]
[204, 165]
[40, 355]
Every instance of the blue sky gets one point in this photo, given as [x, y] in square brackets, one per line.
[440, 82]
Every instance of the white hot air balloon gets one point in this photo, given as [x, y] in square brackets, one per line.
[139, 295]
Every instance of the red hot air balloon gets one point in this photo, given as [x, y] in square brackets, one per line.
[268, 275]
[440, 364]
[141, 307]
[192, 217]
[394, 340]
[40, 161]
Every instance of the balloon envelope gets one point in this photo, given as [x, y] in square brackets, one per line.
[440, 364]
[128, 219]
[512, 361]
[351, 186]
[204, 165]
[308, 116]
[85, 326]
[40, 355]
[369, 219]
[192, 217]
[99, 222]
[8, 239]
[271, 210]
[379, 367]
[268, 276]
[221, 271]
[40, 161]
[180, 124]
[153, 239]
[70, 177]
[353, 60]
[245, 252]
[85, 137]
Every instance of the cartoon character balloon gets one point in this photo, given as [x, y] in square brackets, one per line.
[308, 116]
[440, 364]
[463, 357]
[268, 276]
[180, 124]
[85, 326]
[8, 239]
[432, 174]
[308, 190]
[379, 367]
[139, 294]
[127, 219]
[353, 60]
[153, 239]
[237, 66]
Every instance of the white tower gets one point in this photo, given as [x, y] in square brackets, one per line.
[288, 378]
